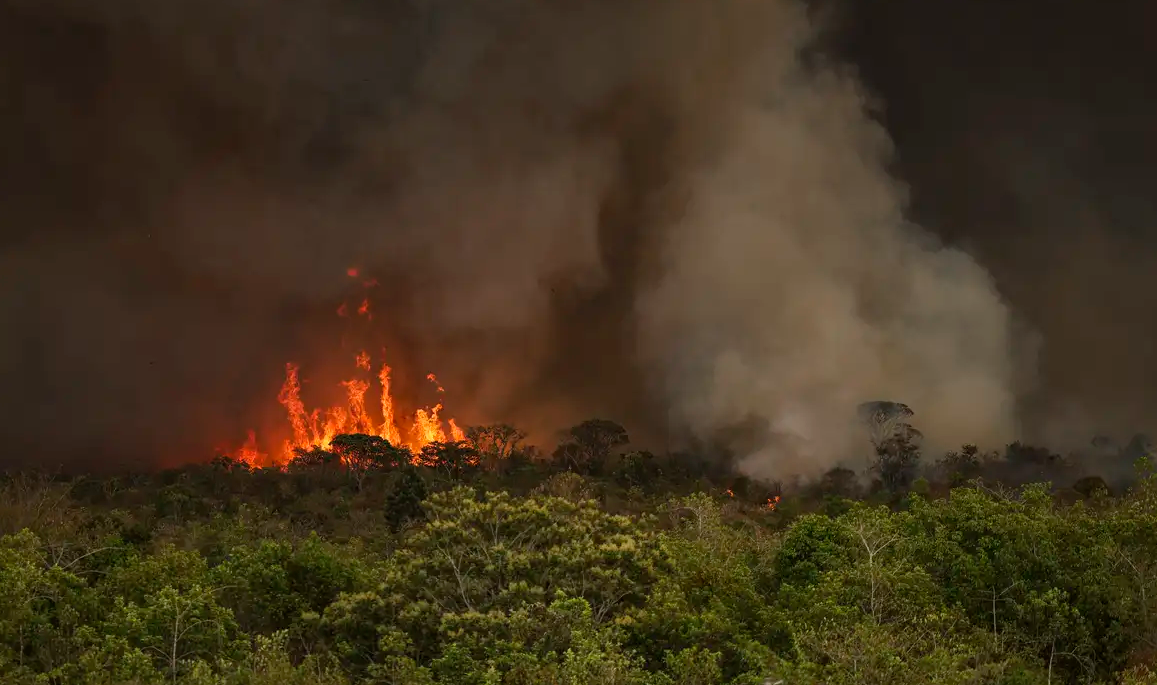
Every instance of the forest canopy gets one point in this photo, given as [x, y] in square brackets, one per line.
[485, 561]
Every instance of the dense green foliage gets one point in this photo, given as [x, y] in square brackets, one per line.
[481, 563]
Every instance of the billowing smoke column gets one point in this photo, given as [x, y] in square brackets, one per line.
[769, 269]
[669, 213]
[791, 288]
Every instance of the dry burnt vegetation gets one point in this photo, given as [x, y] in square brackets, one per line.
[486, 561]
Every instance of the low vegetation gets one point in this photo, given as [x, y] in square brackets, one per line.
[484, 562]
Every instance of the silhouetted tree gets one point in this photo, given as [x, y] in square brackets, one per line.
[959, 467]
[887, 421]
[896, 463]
[313, 458]
[586, 447]
[404, 501]
[839, 482]
[637, 469]
[456, 459]
[224, 463]
[495, 443]
[896, 442]
[363, 454]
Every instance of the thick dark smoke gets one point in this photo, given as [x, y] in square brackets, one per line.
[674, 214]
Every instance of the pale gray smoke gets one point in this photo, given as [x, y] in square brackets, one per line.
[792, 289]
[658, 212]
[774, 275]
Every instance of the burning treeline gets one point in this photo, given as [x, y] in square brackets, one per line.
[651, 210]
[317, 428]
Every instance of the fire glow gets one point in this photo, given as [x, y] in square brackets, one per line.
[317, 428]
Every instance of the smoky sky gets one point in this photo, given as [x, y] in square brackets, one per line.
[1026, 131]
[678, 215]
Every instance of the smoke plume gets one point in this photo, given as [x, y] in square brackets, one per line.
[792, 288]
[676, 214]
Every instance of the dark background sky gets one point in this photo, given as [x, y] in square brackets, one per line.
[1026, 130]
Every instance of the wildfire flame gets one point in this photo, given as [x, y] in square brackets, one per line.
[249, 453]
[318, 428]
[772, 503]
[389, 427]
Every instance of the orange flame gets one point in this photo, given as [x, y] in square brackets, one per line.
[428, 427]
[358, 418]
[456, 433]
[318, 428]
[389, 427]
[730, 493]
[290, 398]
[249, 453]
[772, 503]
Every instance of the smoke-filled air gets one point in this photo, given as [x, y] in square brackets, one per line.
[671, 213]
[679, 215]
[608, 342]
